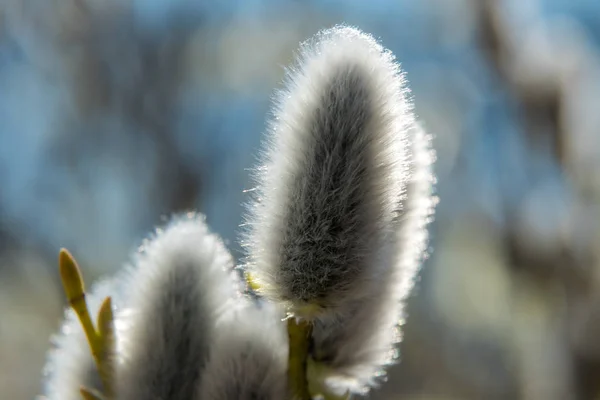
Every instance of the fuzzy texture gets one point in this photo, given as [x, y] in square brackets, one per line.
[359, 343]
[336, 235]
[70, 364]
[183, 329]
[248, 359]
[321, 230]
[181, 282]
[338, 228]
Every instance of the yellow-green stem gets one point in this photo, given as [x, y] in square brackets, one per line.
[299, 333]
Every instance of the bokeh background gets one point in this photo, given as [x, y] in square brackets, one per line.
[116, 113]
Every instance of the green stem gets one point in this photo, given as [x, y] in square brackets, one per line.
[299, 334]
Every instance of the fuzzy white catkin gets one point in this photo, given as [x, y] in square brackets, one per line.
[337, 229]
[334, 175]
[181, 282]
[248, 359]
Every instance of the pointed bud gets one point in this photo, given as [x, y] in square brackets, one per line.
[71, 276]
[70, 363]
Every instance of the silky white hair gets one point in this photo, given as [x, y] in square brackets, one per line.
[181, 282]
[360, 341]
[334, 174]
[344, 196]
[249, 357]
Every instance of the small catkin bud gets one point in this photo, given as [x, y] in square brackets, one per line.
[322, 228]
[248, 359]
[181, 282]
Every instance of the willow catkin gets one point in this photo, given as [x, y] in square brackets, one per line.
[334, 175]
[181, 283]
[336, 230]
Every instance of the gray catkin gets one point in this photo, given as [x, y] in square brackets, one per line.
[337, 229]
[195, 335]
[181, 282]
[334, 174]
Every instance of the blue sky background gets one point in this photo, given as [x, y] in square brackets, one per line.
[118, 114]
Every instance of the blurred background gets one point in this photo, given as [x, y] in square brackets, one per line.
[116, 113]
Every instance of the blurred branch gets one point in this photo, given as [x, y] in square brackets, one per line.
[542, 114]
[541, 108]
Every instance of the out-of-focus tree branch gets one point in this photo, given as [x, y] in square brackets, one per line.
[541, 110]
